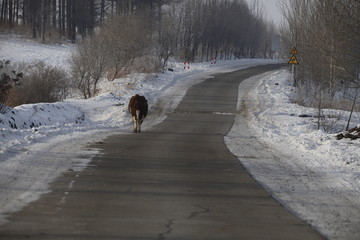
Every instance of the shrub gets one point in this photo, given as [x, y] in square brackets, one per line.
[88, 65]
[42, 83]
[113, 52]
[9, 78]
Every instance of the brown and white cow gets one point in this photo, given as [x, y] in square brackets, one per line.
[138, 107]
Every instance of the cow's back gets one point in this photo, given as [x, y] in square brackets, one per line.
[138, 102]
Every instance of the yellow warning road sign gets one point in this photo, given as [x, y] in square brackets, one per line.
[294, 51]
[293, 60]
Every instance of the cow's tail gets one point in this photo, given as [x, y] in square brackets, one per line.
[138, 121]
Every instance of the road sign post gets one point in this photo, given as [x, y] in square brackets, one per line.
[293, 60]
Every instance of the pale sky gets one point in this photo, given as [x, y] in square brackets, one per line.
[271, 10]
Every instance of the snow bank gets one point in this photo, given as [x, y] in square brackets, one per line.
[314, 175]
[36, 115]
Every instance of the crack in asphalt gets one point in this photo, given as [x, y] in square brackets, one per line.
[195, 213]
[169, 224]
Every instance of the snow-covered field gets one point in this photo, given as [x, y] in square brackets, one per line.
[17, 49]
[317, 177]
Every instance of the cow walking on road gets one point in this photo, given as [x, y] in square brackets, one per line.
[138, 107]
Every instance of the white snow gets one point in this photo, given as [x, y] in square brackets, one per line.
[17, 49]
[314, 175]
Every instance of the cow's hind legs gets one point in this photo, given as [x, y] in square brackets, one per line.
[138, 121]
[134, 124]
[138, 125]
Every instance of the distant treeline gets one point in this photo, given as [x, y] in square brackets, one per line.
[116, 37]
[227, 27]
[66, 17]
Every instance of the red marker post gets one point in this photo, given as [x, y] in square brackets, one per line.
[186, 65]
[213, 60]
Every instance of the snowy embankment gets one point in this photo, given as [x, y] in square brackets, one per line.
[310, 172]
[38, 142]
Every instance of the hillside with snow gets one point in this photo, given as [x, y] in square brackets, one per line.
[318, 177]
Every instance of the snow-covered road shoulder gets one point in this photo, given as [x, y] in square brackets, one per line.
[314, 175]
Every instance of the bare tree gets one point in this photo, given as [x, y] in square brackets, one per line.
[126, 38]
[327, 37]
[88, 65]
[168, 35]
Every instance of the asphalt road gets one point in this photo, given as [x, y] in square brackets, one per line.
[176, 180]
